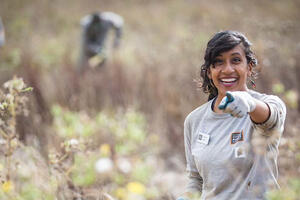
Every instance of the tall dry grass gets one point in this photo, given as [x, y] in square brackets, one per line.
[155, 70]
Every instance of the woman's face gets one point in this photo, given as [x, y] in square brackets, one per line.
[230, 71]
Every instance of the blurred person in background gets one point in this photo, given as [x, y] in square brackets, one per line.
[95, 29]
[2, 34]
[231, 142]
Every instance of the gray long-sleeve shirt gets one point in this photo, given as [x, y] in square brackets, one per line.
[233, 158]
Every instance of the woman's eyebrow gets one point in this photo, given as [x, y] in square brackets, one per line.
[219, 56]
[235, 53]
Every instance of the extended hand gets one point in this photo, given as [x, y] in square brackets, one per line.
[238, 103]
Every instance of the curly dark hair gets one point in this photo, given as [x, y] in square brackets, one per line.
[221, 42]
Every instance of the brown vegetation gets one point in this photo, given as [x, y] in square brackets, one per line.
[154, 73]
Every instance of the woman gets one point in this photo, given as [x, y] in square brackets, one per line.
[231, 142]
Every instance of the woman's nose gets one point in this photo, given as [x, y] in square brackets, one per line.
[228, 68]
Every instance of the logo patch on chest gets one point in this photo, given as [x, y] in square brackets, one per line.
[236, 137]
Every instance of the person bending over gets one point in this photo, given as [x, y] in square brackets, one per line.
[95, 29]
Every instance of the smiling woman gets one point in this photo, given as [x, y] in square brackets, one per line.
[224, 159]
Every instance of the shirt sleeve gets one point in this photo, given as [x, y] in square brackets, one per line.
[195, 180]
[85, 20]
[275, 122]
[195, 183]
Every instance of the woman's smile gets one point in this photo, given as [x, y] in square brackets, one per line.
[228, 82]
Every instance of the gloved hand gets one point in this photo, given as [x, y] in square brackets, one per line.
[238, 103]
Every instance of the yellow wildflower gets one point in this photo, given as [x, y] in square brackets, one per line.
[121, 193]
[7, 186]
[105, 150]
[136, 188]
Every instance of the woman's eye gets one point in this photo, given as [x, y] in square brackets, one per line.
[218, 62]
[236, 60]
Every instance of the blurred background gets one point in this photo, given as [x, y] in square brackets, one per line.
[116, 132]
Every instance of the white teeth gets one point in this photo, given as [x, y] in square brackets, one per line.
[228, 79]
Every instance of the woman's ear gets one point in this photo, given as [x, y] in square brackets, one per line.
[250, 68]
[208, 73]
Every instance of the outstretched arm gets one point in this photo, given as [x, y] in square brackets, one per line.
[261, 113]
[117, 23]
[267, 114]
[118, 36]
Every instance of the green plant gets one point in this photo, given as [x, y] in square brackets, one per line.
[12, 103]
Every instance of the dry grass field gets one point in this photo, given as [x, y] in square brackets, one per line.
[116, 132]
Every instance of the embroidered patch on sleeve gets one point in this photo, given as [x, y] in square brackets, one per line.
[236, 137]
